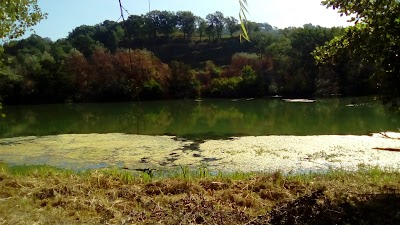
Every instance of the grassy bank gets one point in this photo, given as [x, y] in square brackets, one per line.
[45, 195]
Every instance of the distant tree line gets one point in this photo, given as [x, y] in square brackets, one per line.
[166, 55]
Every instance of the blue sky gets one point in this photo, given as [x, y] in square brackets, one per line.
[65, 15]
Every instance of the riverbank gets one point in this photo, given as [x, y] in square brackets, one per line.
[288, 154]
[44, 195]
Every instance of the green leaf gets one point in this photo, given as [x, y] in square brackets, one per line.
[243, 20]
[20, 16]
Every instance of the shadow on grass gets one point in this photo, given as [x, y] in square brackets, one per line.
[317, 208]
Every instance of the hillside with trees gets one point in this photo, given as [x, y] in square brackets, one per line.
[164, 55]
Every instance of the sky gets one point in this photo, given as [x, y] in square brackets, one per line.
[65, 15]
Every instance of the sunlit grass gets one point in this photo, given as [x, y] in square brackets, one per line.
[185, 195]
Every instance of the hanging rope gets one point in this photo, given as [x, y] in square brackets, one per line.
[127, 39]
[136, 89]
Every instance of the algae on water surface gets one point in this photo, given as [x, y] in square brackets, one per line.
[262, 153]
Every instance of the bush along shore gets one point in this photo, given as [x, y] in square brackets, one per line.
[47, 195]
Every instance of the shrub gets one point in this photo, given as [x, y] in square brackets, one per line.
[225, 87]
[183, 83]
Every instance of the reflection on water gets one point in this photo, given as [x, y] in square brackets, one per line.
[206, 119]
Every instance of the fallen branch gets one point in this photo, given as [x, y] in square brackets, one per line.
[388, 149]
[387, 136]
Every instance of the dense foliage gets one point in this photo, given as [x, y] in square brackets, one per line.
[18, 15]
[375, 37]
[15, 18]
[178, 55]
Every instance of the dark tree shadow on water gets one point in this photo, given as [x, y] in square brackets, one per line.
[317, 208]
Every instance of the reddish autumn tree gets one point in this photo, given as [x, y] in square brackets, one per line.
[240, 60]
[141, 71]
[79, 69]
[105, 83]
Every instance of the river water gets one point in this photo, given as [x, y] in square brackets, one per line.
[207, 119]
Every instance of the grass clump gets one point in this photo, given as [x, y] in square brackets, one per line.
[46, 195]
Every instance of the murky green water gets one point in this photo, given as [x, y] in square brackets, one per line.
[206, 119]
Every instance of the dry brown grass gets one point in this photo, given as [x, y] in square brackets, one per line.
[49, 196]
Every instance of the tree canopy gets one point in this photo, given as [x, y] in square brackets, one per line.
[17, 16]
[375, 37]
